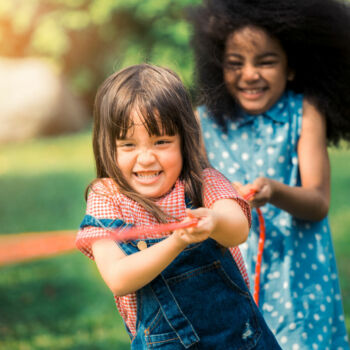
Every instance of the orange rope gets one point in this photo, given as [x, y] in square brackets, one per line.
[261, 243]
[27, 246]
[127, 234]
[259, 256]
[16, 248]
[19, 247]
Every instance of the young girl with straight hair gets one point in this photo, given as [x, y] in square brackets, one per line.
[274, 81]
[184, 290]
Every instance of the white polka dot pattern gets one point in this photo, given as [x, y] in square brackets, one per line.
[300, 297]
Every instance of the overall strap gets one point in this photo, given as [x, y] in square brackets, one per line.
[107, 224]
[172, 312]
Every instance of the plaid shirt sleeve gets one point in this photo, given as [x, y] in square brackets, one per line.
[216, 187]
[101, 204]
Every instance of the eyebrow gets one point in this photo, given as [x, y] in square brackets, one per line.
[264, 55]
[268, 54]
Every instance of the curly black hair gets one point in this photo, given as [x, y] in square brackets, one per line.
[315, 35]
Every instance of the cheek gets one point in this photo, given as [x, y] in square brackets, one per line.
[230, 81]
[174, 162]
[279, 76]
[124, 162]
[280, 80]
[228, 77]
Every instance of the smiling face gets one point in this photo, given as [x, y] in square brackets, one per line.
[255, 69]
[150, 164]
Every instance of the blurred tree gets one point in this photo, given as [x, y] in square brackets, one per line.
[89, 39]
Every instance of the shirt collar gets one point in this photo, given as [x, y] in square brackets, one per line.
[278, 112]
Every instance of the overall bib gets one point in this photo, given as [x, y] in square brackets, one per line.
[200, 301]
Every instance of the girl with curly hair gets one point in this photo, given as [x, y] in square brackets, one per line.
[274, 84]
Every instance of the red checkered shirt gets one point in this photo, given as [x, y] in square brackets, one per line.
[106, 202]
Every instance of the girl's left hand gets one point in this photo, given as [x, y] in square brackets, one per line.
[263, 187]
[225, 222]
[207, 220]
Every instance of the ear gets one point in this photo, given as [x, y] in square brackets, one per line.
[290, 74]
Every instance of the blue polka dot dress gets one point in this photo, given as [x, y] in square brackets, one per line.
[299, 294]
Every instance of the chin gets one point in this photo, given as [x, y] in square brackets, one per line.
[151, 195]
[254, 111]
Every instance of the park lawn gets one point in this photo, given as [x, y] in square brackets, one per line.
[340, 221]
[61, 302]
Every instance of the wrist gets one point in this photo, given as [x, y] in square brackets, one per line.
[273, 184]
[178, 241]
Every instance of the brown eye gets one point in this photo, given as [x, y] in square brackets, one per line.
[267, 63]
[162, 142]
[125, 145]
[233, 65]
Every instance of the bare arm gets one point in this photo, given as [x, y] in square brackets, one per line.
[225, 222]
[310, 201]
[125, 274]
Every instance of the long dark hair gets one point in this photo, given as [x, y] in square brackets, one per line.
[166, 108]
[315, 35]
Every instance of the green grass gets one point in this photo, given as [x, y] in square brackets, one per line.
[58, 303]
[42, 183]
[340, 221]
[62, 302]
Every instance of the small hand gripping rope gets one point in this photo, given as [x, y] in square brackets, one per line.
[20, 247]
[136, 232]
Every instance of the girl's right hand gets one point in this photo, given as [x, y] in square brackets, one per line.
[206, 224]
[186, 237]
[263, 188]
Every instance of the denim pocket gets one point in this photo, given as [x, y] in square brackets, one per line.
[221, 312]
[164, 341]
[159, 335]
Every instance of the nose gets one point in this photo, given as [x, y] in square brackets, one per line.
[146, 157]
[250, 73]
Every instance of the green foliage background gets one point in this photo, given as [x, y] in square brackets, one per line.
[61, 302]
[88, 39]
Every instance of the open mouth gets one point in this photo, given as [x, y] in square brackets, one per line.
[253, 91]
[145, 175]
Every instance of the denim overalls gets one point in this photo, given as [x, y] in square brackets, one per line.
[200, 301]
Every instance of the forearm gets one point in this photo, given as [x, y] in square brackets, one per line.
[132, 272]
[310, 201]
[232, 224]
[301, 202]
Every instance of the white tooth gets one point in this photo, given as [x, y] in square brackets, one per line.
[147, 176]
[252, 91]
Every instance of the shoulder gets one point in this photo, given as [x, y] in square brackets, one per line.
[216, 186]
[313, 119]
[104, 186]
[202, 112]
[201, 108]
[211, 174]
[313, 136]
[103, 196]
[310, 108]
